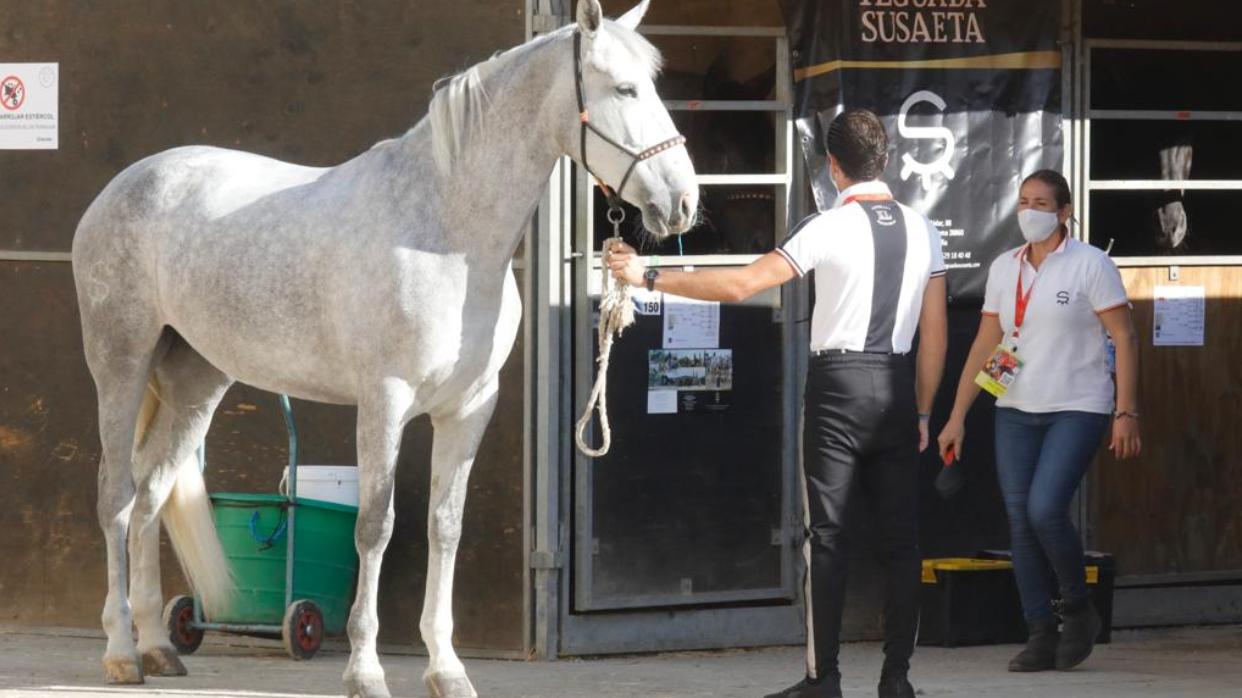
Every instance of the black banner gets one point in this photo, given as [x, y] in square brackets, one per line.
[969, 91]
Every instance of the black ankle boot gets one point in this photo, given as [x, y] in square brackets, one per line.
[894, 685]
[1041, 647]
[1078, 632]
[828, 686]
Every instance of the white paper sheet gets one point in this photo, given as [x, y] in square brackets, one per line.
[691, 324]
[661, 402]
[1179, 316]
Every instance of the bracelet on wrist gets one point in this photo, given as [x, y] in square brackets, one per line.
[1125, 413]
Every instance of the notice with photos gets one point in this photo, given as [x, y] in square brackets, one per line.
[1179, 316]
[690, 324]
[681, 381]
[690, 369]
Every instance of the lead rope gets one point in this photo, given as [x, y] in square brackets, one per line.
[616, 312]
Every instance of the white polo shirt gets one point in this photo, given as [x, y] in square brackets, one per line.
[1062, 340]
[872, 258]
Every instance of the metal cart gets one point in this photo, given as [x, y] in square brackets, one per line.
[316, 578]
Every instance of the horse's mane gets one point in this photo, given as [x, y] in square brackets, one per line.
[456, 112]
[461, 101]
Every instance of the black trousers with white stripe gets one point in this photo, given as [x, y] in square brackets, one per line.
[861, 437]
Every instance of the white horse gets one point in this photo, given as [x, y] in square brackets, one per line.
[384, 282]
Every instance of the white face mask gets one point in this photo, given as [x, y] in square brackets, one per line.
[1037, 225]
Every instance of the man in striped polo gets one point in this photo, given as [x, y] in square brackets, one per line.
[879, 277]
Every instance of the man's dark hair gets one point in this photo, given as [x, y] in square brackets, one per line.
[1056, 181]
[856, 138]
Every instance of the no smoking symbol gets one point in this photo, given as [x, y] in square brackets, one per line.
[12, 93]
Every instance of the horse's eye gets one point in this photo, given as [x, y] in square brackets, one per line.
[627, 91]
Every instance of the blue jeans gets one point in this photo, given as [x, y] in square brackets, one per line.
[1040, 459]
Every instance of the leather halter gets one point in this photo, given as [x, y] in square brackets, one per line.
[614, 197]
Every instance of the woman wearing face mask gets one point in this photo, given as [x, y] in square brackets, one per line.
[1042, 350]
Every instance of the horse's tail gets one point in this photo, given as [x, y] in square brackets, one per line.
[191, 527]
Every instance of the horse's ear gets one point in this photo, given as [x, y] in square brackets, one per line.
[590, 16]
[631, 19]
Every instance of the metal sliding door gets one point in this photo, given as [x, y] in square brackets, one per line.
[685, 532]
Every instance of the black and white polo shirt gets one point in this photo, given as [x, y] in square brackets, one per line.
[872, 258]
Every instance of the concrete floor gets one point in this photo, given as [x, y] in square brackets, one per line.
[1200, 662]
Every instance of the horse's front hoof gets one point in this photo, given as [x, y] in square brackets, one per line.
[367, 687]
[162, 661]
[123, 671]
[444, 685]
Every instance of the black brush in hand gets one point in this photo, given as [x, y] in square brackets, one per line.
[951, 478]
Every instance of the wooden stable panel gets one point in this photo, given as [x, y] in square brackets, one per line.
[1175, 509]
[737, 58]
[314, 83]
[716, 13]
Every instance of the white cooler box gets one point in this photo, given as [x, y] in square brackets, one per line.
[327, 483]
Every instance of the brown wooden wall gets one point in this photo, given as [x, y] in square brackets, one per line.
[1175, 509]
[311, 82]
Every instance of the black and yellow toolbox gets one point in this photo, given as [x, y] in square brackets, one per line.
[969, 601]
[974, 601]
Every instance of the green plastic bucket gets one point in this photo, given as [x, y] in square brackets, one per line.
[253, 530]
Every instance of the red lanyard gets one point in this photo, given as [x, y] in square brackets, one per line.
[1021, 299]
[866, 197]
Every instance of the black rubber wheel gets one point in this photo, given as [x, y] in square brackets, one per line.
[302, 631]
[179, 619]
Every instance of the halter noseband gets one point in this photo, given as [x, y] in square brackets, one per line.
[614, 197]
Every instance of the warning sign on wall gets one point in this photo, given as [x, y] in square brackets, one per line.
[29, 106]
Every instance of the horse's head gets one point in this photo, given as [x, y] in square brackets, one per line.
[624, 135]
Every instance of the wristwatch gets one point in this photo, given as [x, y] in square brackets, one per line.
[650, 275]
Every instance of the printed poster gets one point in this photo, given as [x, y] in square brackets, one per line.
[969, 92]
[694, 369]
[689, 380]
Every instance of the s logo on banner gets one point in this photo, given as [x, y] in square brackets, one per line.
[925, 170]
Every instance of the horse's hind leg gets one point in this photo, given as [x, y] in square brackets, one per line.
[120, 370]
[457, 438]
[188, 391]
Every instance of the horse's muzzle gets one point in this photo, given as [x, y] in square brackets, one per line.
[673, 220]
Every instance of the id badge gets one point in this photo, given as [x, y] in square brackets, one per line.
[1000, 371]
